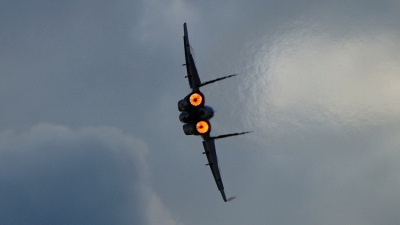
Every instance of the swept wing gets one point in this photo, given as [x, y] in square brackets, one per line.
[192, 75]
[209, 151]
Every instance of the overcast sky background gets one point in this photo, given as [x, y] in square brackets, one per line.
[89, 125]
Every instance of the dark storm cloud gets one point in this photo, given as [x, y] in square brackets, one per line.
[318, 84]
[53, 175]
[55, 57]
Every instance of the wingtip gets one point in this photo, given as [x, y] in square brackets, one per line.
[223, 195]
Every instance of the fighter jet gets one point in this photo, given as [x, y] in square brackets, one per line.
[196, 116]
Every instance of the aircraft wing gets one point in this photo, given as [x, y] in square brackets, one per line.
[209, 147]
[192, 75]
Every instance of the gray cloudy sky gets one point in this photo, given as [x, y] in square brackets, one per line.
[89, 126]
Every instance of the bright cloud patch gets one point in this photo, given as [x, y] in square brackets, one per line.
[328, 114]
[340, 82]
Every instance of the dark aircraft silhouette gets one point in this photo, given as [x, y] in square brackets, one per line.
[195, 115]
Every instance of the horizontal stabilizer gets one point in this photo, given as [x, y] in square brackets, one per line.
[218, 79]
[230, 135]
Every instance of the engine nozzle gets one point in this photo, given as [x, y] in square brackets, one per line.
[202, 127]
[197, 128]
[191, 101]
[195, 99]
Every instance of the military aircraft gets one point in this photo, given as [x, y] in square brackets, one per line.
[195, 115]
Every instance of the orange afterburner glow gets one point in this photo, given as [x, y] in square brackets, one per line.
[195, 99]
[202, 127]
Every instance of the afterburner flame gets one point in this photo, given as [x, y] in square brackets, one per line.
[195, 99]
[202, 127]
